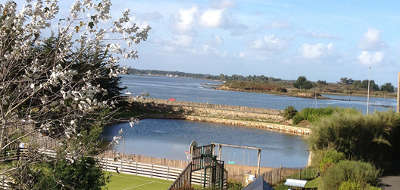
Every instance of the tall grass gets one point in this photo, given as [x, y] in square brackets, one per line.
[374, 138]
[315, 114]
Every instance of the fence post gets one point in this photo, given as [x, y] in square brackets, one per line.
[152, 170]
[167, 173]
[136, 168]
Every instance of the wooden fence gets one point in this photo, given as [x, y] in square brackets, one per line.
[148, 170]
[117, 165]
[160, 170]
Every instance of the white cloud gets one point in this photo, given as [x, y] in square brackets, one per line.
[212, 18]
[242, 54]
[370, 58]
[313, 51]
[186, 18]
[183, 40]
[372, 40]
[270, 43]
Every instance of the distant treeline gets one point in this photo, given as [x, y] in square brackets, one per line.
[172, 73]
[204, 76]
[261, 82]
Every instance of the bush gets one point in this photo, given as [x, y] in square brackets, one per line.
[315, 114]
[289, 112]
[362, 173]
[374, 138]
[324, 159]
[349, 185]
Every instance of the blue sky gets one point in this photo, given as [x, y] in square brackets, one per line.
[323, 40]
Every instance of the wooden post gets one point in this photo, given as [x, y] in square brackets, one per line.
[398, 94]
[259, 163]
[219, 152]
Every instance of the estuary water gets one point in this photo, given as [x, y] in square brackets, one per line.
[197, 90]
[171, 138]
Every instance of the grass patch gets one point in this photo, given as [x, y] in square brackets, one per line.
[315, 114]
[130, 182]
[313, 183]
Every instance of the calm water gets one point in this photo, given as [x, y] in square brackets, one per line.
[171, 138]
[188, 89]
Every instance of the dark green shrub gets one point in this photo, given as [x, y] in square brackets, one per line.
[362, 173]
[289, 112]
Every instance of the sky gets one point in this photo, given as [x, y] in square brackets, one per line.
[322, 40]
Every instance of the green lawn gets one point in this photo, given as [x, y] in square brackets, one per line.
[130, 182]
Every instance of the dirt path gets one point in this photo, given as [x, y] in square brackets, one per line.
[391, 182]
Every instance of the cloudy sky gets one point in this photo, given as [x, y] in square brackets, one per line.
[323, 40]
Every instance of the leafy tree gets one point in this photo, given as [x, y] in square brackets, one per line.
[345, 80]
[388, 87]
[322, 82]
[373, 86]
[302, 83]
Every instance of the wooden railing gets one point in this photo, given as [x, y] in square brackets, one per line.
[183, 182]
[215, 175]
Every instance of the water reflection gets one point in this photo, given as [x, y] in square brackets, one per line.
[189, 89]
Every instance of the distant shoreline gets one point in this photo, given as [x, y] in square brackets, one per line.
[321, 97]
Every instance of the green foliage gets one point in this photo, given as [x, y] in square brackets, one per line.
[349, 185]
[234, 185]
[315, 114]
[323, 159]
[289, 112]
[322, 82]
[302, 83]
[83, 173]
[388, 87]
[305, 174]
[374, 138]
[361, 173]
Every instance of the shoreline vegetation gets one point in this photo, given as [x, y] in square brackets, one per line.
[301, 87]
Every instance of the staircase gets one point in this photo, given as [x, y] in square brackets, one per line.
[215, 175]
